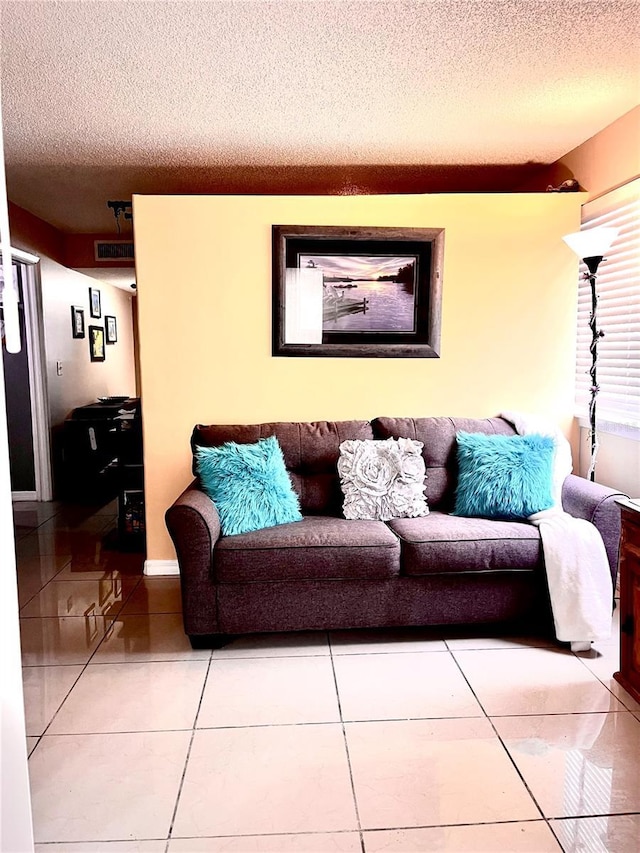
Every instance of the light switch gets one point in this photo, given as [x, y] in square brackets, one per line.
[59, 368]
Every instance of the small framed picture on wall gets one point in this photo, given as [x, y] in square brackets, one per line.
[111, 329]
[77, 321]
[95, 308]
[96, 343]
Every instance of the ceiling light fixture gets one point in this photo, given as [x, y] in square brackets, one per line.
[120, 208]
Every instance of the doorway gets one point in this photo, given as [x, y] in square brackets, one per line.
[26, 392]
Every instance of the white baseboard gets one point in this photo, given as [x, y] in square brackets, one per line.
[24, 496]
[161, 567]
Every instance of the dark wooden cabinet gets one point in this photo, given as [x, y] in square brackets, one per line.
[103, 459]
[131, 524]
[89, 455]
[629, 674]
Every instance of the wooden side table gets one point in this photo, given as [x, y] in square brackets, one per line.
[629, 674]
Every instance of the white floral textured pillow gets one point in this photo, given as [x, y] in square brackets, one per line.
[382, 479]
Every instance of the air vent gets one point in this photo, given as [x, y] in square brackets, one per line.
[114, 250]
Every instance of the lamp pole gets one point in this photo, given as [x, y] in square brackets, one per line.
[590, 246]
[592, 265]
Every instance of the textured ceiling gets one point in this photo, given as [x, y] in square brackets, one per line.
[102, 99]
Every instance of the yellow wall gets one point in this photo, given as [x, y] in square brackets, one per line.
[203, 269]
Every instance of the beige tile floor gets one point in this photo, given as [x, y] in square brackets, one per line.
[341, 742]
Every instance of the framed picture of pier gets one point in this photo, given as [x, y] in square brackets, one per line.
[351, 292]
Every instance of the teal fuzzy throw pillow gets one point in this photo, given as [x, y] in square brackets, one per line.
[249, 485]
[502, 476]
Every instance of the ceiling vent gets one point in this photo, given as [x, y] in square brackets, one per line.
[113, 250]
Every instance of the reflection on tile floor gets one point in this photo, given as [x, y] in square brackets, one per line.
[608, 834]
[425, 772]
[577, 764]
[399, 741]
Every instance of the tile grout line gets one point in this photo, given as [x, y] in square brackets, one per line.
[56, 712]
[82, 671]
[502, 744]
[124, 732]
[188, 755]
[313, 833]
[552, 831]
[80, 674]
[34, 532]
[597, 677]
[72, 580]
[93, 841]
[557, 820]
[403, 828]
[52, 578]
[276, 725]
[346, 744]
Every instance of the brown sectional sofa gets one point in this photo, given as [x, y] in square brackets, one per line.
[325, 572]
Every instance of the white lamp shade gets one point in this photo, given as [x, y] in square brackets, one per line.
[591, 243]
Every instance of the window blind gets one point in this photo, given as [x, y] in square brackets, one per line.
[618, 288]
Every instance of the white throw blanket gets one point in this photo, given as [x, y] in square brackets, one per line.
[576, 562]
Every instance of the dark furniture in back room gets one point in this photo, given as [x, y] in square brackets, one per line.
[131, 529]
[89, 453]
[102, 460]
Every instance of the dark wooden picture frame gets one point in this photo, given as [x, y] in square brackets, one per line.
[403, 263]
[96, 343]
[77, 322]
[95, 306]
[110, 329]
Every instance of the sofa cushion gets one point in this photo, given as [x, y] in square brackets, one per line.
[248, 484]
[382, 479]
[317, 547]
[503, 476]
[310, 451]
[438, 435]
[445, 543]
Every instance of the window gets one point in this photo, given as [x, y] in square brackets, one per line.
[618, 287]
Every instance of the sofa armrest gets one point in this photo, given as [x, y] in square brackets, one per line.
[597, 504]
[194, 526]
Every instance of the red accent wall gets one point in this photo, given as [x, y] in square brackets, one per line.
[31, 233]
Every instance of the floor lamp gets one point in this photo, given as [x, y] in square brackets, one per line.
[590, 246]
